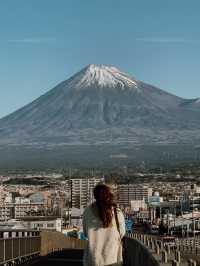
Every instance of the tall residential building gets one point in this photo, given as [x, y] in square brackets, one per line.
[82, 191]
[129, 192]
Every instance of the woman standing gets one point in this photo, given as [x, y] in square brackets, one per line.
[104, 226]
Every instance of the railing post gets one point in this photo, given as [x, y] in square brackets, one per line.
[4, 250]
[157, 249]
[168, 249]
[178, 256]
[160, 244]
[175, 263]
[152, 246]
[145, 239]
[192, 263]
[164, 257]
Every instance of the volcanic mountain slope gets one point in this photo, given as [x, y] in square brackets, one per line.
[99, 98]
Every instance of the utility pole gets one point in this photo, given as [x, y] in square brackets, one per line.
[182, 213]
[174, 217]
[193, 220]
[168, 224]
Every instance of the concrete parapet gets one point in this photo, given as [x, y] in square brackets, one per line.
[51, 241]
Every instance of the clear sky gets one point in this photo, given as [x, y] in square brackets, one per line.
[43, 42]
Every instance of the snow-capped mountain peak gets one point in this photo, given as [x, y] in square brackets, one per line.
[104, 76]
[197, 101]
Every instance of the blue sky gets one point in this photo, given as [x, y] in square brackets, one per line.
[43, 42]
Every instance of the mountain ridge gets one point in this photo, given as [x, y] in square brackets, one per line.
[98, 98]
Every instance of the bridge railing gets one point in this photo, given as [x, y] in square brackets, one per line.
[189, 246]
[19, 246]
[165, 253]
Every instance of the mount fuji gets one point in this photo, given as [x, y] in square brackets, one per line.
[102, 105]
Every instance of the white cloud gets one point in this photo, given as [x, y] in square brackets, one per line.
[33, 40]
[168, 40]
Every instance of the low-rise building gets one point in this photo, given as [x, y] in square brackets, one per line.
[138, 205]
[45, 223]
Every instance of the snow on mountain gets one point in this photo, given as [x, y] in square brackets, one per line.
[95, 103]
[103, 76]
[197, 101]
[192, 103]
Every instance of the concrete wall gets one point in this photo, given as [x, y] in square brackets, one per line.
[54, 240]
[136, 253]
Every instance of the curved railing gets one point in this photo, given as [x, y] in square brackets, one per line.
[166, 254]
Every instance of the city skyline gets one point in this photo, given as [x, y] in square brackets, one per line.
[43, 43]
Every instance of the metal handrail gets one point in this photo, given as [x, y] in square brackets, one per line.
[18, 248]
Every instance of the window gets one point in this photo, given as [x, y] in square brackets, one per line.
[50, 225]
[40, 225]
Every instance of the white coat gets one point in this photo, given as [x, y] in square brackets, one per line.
[104, 246]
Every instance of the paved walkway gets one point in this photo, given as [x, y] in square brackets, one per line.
[61, 258]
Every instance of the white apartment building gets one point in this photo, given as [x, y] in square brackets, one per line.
[131, 192]
[82, 191]
[45, 224]
[6, 211]
[5, 196]
[22, 207]
[137, 205]
[34, 223]
[25, 209]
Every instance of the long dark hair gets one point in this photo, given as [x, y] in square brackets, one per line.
[104, 202]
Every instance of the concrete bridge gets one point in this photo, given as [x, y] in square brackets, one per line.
[53, 248]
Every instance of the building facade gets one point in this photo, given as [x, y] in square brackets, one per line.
[130, 192]
[6, 211]
[20, 207]
[82, 191]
